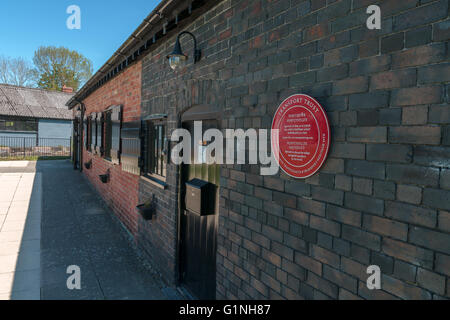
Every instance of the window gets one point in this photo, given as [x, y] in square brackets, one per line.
[108, 134]
[18, 125]
[111, 133]
[87, 133]
[145, 148]
[93, 132]
[131, 147]
[156, 153]
[99, 149]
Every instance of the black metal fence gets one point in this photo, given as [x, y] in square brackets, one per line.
[31, 147]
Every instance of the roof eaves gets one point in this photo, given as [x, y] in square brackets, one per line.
[19, 101]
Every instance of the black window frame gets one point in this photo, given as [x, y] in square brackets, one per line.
[87, 133]
[93, 133]
[107, 134]
[99, 149]
[24, 125]
[156, 146]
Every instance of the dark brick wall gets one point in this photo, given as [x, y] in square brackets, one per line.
[383, 196]
[159, 237]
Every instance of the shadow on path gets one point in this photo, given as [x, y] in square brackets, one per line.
[78, 230]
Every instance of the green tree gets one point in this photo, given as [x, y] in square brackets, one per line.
[56, 67]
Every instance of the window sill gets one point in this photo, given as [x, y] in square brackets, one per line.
[109, 160]
[158, 183]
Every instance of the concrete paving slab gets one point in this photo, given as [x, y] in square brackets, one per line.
[7, 179]
[24, 189]
[18, 225]
[5, 296]
[10, 174]
[17, 207]
[10, 236]
[13, 248]
[8, 263]
[7, 196]
[20, 281]
[20, 235]
[20, 217]
[18, 210]
[13, 164]
[20, 204]
[22, 195]
[5, 204]
[26, 295]
[20, 262]
[6, 191]
[7, 185]
[31, 234]
[22, 214]
[28, 260]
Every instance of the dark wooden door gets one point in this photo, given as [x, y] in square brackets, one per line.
[199, 233]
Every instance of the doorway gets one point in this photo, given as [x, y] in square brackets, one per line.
[198, 233]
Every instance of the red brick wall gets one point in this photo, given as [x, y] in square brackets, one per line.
[121, 192]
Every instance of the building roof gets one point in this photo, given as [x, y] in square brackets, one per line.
[167, 15]
[34, 103]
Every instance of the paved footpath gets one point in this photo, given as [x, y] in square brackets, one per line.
[51, 219]
[20, 235]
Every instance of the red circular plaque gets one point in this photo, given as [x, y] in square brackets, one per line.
[303, 140]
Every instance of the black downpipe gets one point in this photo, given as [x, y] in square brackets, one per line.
[80, 142]
[179, 275]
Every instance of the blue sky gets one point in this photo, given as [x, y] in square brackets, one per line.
[105, 25]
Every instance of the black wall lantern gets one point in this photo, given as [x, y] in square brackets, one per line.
[177, 59]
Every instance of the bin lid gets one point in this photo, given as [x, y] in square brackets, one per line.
[197, 183]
